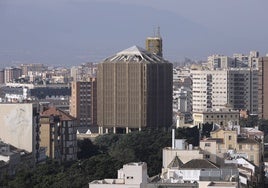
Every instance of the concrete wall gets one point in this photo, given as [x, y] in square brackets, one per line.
[17, 125]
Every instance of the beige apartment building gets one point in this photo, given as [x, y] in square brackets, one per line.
[83, 102]
[12, 73]
[58, 134]
[134, 91]
[223, 117]
[224, 142]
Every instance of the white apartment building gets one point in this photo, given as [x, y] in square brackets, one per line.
[250, 60]
[219, 62]
[215, 89]
[209, 90]
[182, 99]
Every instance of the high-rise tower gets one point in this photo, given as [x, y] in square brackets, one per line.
[263, 89]
[83, 102]
[134, 91]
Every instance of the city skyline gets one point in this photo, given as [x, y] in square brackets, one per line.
[68, 32]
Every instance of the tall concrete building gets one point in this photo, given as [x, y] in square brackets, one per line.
[262, 88]
[134, 90]
[83, 102]
[12, 73]
[209, 90]
[2, 76]
[220, 62]
[214, 89]
[243, 89]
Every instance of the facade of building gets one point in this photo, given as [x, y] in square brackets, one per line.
[83, 72]
[227, 142]
[58, 134]
[2, 76]
[220, 62]
[33, 68]
[83, 103]
[215, 89]
[223, 116]
[134, 90]
[243, 89]
[209, 89]
[132, 175]
[12, 73]
[20, 126]
[184, 102]
[262, 88]
[181, 149]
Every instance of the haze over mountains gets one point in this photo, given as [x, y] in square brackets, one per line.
[68, 32]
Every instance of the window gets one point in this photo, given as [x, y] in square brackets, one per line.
[207, 156]
[207, 144]
[230, 137]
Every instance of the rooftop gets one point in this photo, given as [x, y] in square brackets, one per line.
[57, 112]
[198, 164]
[135, 54]
[175, 163]
[222, 184]
[242, 140]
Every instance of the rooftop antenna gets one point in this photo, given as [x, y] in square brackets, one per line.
[158, 31]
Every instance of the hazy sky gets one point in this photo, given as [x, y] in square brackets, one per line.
[70, 32]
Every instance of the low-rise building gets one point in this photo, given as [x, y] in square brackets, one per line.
[132, 175]
[223, 117]
[181, 149]
[226, 141]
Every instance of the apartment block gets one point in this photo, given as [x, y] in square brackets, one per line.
[12, 73]
[243, 89]
[209, 89]
[83, 102]
[235, 88]
[219, 62]
[58, 134]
